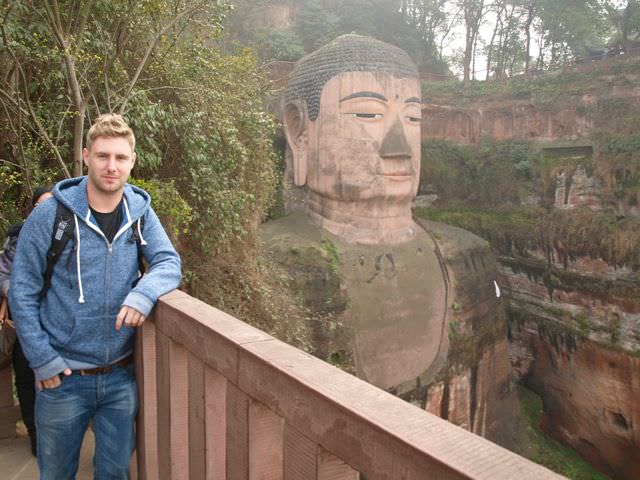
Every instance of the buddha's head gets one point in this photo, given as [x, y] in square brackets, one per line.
[352, 120]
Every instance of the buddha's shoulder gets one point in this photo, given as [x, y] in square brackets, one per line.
[453, 241]
[295, 228]
[294, 240]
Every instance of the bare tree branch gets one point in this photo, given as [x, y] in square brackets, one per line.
[152, 45]
[29, 111]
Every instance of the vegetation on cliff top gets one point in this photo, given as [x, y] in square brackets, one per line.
[545, 89]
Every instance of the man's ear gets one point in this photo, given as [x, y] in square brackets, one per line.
[85, 156]
[295, 129]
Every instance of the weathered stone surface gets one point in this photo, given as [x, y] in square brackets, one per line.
[509, 118]
[590, 393]
[572, 275]
[371, 307]
[575, 341]
[387, 297]
[475, 389]
[399, 303]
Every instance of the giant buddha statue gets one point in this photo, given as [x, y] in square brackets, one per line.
[404, 303]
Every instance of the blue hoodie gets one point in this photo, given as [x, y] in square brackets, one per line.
[74, 326]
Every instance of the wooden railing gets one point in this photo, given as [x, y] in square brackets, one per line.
[223, 400]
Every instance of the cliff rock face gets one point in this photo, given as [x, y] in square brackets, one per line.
[567, 235]
[475, 391]
[558, 110]
[521, 119]
[577, 348]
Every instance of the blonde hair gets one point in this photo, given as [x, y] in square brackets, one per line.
[110, 125]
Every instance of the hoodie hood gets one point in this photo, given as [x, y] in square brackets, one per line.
[72, 192]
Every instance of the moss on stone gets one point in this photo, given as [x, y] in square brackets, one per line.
[543, 449]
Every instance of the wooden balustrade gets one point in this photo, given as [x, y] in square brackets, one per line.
[223, 400]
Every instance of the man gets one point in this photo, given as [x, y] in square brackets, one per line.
[79, 336]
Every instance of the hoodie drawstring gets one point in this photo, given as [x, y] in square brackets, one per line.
[81, 298]
[142, 240]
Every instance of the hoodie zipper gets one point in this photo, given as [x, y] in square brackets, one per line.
[106, 297]
[106, 281]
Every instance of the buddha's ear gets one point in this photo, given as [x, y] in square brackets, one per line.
[295, 128]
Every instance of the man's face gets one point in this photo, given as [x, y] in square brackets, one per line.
[365, 143]
[109, 163]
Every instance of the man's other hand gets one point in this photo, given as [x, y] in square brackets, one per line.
[129, 317]
[52, 382]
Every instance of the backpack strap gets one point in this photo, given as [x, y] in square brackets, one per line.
[62, 233]
[137, 228]
[14, 230]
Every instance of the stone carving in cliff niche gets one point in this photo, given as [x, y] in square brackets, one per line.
[413, 304]
[574, 186]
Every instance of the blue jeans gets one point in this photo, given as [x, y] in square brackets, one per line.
[62, 417]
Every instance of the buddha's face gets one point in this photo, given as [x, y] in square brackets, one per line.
[365, 143]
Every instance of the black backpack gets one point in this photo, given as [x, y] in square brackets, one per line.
[63, 232]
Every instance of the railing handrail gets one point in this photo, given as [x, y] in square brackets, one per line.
[374, 432]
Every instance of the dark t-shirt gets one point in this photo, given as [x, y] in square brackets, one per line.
[109, 222]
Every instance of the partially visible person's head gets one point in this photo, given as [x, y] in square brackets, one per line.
[110, 125]
[40, 194]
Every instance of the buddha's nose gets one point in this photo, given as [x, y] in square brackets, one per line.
[394, 144]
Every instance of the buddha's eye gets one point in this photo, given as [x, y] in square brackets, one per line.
[414, 119]
[368, 115]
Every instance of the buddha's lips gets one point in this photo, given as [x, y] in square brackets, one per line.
[398, 175]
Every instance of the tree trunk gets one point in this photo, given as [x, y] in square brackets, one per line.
[493, 39]
[527, 29]
[78, 130]
[473, 10]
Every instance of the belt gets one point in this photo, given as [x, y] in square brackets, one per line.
[105, 369]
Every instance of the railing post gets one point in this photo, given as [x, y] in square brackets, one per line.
[299, 455]
[215, 396]
[197, 419]
[173, 401]
[237, 434]
[146, 426]
[331, 467]
[266, 438]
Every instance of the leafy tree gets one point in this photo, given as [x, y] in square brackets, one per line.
[473, 12]
[98, 43]
[203, 138]
[316, 25]
[282, 44]
[626, 19]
